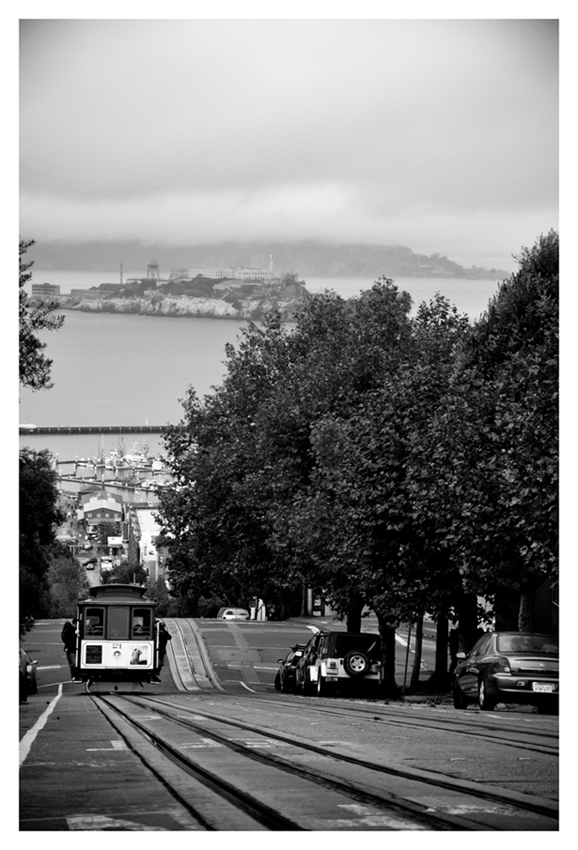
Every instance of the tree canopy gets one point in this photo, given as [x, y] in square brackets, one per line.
[403, 461]
[39, 518]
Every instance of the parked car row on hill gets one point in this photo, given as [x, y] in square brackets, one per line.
[502, 667]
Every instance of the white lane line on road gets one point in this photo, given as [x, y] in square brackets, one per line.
[30, 736]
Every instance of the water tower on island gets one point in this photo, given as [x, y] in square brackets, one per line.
[153, 270]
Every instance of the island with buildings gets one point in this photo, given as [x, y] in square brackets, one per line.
[227, 293]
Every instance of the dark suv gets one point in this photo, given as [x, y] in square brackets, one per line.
[339, 660]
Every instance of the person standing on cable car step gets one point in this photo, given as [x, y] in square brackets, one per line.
[164, 637]
[68, 637]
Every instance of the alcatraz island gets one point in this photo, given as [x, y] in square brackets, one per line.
[244, 292]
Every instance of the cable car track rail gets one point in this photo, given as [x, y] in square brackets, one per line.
[248, 813]
[195, 671]
[459, 724]
[387, 806]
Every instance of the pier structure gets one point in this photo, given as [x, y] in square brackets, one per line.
[94, 429]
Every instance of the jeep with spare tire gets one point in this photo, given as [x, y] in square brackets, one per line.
[339, 661]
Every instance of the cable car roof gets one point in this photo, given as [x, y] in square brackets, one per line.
[118, 592]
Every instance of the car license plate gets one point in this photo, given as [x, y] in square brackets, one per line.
[543, 687]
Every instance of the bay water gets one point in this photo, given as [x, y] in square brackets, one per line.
[127, 370]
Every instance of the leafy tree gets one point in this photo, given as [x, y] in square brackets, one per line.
[106, 530]
[66, 580]
[34, 365]
[218, 469]
[128, 573]
[39, 519]
[167, 606]
[357, 526]
[496, 443]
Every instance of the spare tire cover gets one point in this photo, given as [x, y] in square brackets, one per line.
[356, 663]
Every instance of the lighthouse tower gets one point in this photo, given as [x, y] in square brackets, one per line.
[270, 265]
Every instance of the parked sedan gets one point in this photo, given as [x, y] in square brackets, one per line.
[90, 563]
[285, 676]
[508, 667]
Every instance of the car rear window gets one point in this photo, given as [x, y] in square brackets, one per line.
[527, 643]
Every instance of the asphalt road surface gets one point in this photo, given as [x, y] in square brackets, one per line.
[217, 748]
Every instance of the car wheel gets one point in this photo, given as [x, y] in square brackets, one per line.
[308, 687]
[459, 699]
[486, 702]
[321, 686]
[356, 663]
[286, 686]
[277, 682]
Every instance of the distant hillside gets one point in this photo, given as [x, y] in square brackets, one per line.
[308, 259]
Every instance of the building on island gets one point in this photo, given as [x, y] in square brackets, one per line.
[231, 273]
[45, 290]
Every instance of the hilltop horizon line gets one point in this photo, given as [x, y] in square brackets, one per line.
[306, 257]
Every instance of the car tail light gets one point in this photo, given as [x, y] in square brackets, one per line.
[502, 665]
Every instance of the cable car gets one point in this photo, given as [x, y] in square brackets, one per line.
[117, 647]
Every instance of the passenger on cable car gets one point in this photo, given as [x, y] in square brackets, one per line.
[164, 637]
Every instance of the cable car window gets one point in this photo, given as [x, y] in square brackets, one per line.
[118, 622]
[94, 622]
[141, 623]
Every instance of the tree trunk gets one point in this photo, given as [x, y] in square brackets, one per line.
[441, 659]
[506, 610]
[304, 599]
[353, 622]
[467, 610]
[417, 654]
[390, 688]
[526, 609]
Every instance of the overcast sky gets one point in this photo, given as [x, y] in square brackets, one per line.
[440, 135]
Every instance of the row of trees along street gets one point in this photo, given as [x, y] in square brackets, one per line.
[405, 462]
